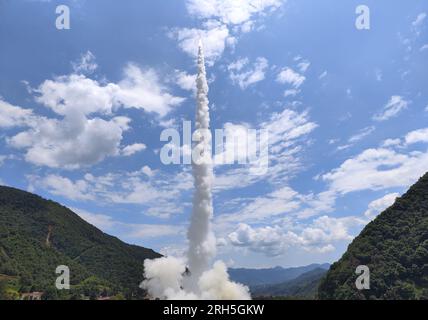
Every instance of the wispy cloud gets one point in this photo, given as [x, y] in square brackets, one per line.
[144, 188]
[86, 64]
[129, 230]
[394, 106]
[362, 134]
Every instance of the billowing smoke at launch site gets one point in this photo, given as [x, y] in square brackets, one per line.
[196, 277]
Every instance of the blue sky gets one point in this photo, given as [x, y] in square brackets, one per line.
[81, 112]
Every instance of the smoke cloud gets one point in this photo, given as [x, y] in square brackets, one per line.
[171, 278]
[165, 277]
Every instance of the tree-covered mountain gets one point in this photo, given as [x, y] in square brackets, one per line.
[304, 286]
[266, 276]
[37, 235]
[395, 248]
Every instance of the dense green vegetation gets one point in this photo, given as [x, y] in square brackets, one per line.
[395, 248]
[304, 286]
[100, 264]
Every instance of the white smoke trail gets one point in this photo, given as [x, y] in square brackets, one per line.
[202, 245]
[168, 277]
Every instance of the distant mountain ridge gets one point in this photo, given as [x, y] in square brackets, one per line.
[304, 286]
[268, 276]
[395, 248]
[37, 235]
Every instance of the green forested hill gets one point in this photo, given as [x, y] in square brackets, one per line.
[395, 248]
[95, 259]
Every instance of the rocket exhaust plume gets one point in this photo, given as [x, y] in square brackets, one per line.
[202, 244]
[169, 277]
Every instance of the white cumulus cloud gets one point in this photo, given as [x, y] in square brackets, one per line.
[416, 136]
[248, 76]
[70, 143]
[215, 37]
[376, 169]
[291, 77]
[139, 88]
[377, 206]
[13, 116]
[318, 236]
[231, 11]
